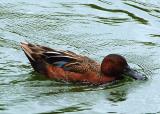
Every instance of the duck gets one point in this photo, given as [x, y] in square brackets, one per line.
[68, 66]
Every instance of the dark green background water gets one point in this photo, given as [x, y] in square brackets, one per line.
[93, 28]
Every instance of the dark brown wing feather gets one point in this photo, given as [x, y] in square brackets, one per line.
[65, 59]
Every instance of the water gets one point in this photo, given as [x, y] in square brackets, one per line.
[93, 28]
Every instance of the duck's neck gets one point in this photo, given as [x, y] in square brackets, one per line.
[107, 78]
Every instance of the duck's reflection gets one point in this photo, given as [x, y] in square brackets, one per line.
[117, 96]
[119, 92]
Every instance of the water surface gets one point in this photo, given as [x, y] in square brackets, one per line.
[93, 28]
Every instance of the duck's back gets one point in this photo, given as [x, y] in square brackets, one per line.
[66, 60]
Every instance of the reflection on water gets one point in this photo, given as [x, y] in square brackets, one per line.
[117, 96]
[93, 28]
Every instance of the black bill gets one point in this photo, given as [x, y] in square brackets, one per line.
[134, 74]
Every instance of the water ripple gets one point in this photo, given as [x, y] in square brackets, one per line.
[133, 16]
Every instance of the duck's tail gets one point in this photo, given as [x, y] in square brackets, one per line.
[27, 50]
[33, 54]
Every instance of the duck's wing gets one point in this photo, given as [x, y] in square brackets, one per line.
[67, 60]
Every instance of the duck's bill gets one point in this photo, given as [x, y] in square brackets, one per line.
[135, 74]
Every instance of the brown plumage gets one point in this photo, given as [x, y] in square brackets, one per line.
[68, 66]
[64, 59]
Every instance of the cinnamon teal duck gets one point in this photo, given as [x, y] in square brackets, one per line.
[71, 67]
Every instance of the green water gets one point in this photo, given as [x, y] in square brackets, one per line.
[93, 28]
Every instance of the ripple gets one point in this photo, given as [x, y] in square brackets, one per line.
[133, 16]
[75, 108]
[151, 9]
[112, 20]
[155, 35]
[2, 107]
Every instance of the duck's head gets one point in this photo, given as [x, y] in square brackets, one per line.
[115, 65]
